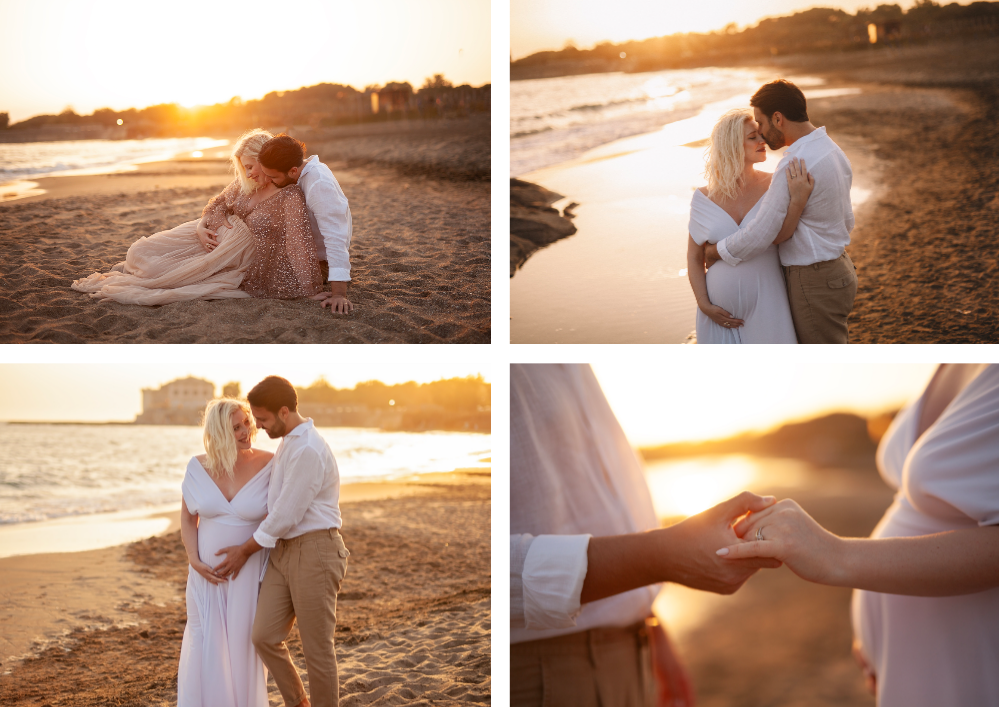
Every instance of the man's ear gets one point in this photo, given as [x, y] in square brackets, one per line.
[283, 413]
[777, 120]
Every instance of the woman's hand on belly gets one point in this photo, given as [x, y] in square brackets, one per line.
[719, 316]
[206, 571]
[870, 679]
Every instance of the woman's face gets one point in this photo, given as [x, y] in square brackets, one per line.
[241, 428]
[754, 144]
[253, 171]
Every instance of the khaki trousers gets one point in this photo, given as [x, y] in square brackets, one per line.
[821, 298]
[302, 580]
[603, 667]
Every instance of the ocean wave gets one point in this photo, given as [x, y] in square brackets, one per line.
[525, 133]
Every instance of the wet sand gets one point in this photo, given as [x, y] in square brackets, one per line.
[413, 613]
[420, 252]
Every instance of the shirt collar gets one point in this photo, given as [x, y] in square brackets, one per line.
[802, 141]
[309, 164]
[301, 429]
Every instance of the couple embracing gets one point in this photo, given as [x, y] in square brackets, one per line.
[279, 230]
[262, 533]
[773, 246]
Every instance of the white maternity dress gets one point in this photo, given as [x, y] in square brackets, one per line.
[753, 292]
[219, 666]
[933, 651]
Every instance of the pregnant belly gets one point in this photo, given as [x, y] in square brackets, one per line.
[214, 535]
[739, 290]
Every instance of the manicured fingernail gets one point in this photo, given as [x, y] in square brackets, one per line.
[723, 551]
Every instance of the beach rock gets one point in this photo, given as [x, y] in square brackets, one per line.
[534, 223]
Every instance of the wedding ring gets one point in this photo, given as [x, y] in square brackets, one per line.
[759, 533]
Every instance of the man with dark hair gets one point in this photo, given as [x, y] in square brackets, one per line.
[821, 279]
[308, 558]
[282, 159]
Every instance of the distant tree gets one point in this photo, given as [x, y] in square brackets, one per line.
[231, 389]
[438, 81]
[4, 120]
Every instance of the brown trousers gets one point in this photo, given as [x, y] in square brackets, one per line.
[302, 580]
[821, 297]
[603, 667]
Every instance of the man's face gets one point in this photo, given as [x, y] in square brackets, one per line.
[271, 423]
[281, 179]
[770, 132]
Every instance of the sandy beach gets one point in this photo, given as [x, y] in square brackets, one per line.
[420, 253]
[914, 123]
[105, 626]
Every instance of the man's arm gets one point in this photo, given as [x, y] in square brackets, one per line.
[680, 554]
[755, 237]
[329, 206]
[297, 493]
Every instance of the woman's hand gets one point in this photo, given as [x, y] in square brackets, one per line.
[792, 536]
[207, 238]
[799, 182]
[206, 571]
[719, 316]
[870, 679]
[674, 686]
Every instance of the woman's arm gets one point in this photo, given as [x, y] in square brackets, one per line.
[189, 532]
[217, 206]
[943, 564]
[695, 271]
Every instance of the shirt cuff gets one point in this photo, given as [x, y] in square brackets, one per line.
[725, 255]
[339, 275]
[263, 539]
[553, 576]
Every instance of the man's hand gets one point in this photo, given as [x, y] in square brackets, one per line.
[691, 558]
[710, 255]
[235, 557]
[337, 299]
[207, 238]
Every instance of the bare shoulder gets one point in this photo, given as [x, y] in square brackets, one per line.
[262, 454]
[202, 459]
[703, 190]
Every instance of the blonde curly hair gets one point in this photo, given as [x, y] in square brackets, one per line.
[220, 442]
[248, 144]
[726, 156]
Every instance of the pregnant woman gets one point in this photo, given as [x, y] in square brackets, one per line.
[745, 304]
[225, 498]
[926, 609]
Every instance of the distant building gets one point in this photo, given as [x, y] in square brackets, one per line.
[179, 402]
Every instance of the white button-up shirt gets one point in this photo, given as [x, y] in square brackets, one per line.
[304, 493]
[823, 232]
[329, 216]
[573, 475]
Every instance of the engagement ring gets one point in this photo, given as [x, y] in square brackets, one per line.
[759, 533]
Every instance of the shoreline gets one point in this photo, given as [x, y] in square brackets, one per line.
[76, 619]
[921, 277]
[420, 251]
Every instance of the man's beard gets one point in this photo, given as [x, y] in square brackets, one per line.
[774, 138]
[278, 429]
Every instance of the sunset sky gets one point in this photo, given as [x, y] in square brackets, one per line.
[122, 54]
[663, 406]
[104, 392]
[536, 25]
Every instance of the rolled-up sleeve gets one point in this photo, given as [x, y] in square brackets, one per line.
[758, 235]
[546, 579]
[294, 499]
